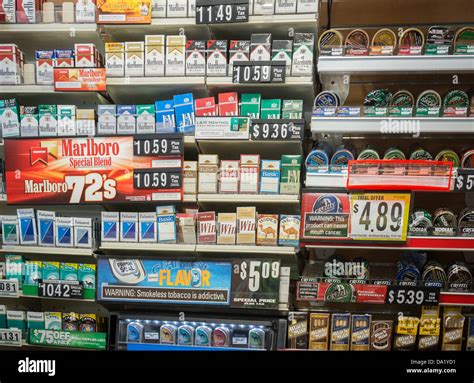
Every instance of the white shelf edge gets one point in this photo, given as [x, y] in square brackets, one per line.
[26, 88]
[275, 198]
[143, 246]
[190, 198]
[23, 296]
[46, 250]
[157, 81]
[245, 249]
[48, 27]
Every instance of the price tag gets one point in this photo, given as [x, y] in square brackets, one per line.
[464, 180]
[256, 283]
[171, 178]
[166, 145]
[413, 295]
[273, 130]
[60, 289]
[379, 216]
[251, 72]
[225, 11]
[9, 288]
[10, 337]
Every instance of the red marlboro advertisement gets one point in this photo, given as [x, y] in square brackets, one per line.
[85, 170]
[79, 79]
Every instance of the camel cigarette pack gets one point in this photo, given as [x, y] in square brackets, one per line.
[155, 55]
[196, 58]
[115, 59]
[175, 55]
[226, 228]
[134, 59]
[249, 173]
[340, 332]
[260, 46]
[267, 229]
[217, 57]
[68, 271]
[289, 230]
[270, 177]
[208, 173]
[290, 174]
[206, 225]
[52, 320]
[246, 225]
[239, 50]
[51, 270]
[186, 228]
[319, 331]
[229, 176]
[166, 228]
[128, 227]
[360, 334]
[190, 177]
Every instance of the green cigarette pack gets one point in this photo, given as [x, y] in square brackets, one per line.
[290, 174]
[35, 320]
[250, 105]
[271, 109]
[292, 109]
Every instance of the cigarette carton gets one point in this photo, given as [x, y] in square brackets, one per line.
[85, 11]
[303, 62]
[134, 59]
[208, 167]
[145, 119]
[115, 59]
[340, 332]
[289, 230]
[158, 9]
[51, 270]
[126, 119]
[249, 173]
[285, 7]
[64, 232]
[292, 109]
[45, 67]
[83, 232]
[155, 55]
[267, 229]
[239, 50]
[250, 105]
[68, 271]
[164, 116]
[260, 47]
[281, 51]
[107, 119]
[228, 104]
[271, 109]
[229, 176]
[8, 11]
[46, 227]
[270, 177]
[64, 58]
[109, 226]
[216, 57]
[186, 228]
[360, 334]
[227, 228]
[167, 228]
[27, 226]
[10, 231]
[177, 8]
[319, 331]
[128, 227]
[53, 321]
[290, 174]
[148, 225]
[66, 120]
[246, 225]
[206, 228]
[35, 320]
[190, 176]
[184, 112]
[196, 58]
[206, 107]
[175, 55]
[48, 120]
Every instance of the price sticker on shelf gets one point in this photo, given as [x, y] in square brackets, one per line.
[10, 337]
[256, 283]
[277, 130]
[9, 288]
[60, 289]
[167, 145]
[222, 11]
[252, 72]
[379, 216]
[464, 180]
[413, 295]
[158, 178]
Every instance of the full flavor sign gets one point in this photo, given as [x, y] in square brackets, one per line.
[85, 170]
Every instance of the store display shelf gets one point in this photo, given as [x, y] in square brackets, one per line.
[454, 298]
[255, 198]
[246, 249]
[169, 347]
[412, 243]
[140, 246]
[382, 125]
[46, 250]
[150, 89]
[22, 296]
[347, 65]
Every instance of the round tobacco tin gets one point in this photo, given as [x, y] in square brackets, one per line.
[466, 222]
[256, 339]
[186, 335]
[357, 39]
[203, 336]
[448, 155]
[440, 35]
[434, 272]
[331, 38]
[340, 292]
[420, 154]
[221, 337]
[326, 98]
[394, 154]
[429, 99]
[385, 37]
[412, 37]
[464, 36]
[456, 98]
[378, 98]
[420, 222]
[402, 99]
[319, 156]
[168, 334]
[458, 273]
[445, 219]
[369, 153]
[327, 203]
[467, 161]
[407, 272]
[342, 156]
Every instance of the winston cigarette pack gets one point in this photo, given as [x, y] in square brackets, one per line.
[226, 228]
[246, 225]
[206, 228]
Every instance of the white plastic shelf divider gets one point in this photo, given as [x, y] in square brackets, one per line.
[329, 180]
[378, 125]
[46, 250]
[256, 198]
[244, 249]
[141, 246]
[352, 65]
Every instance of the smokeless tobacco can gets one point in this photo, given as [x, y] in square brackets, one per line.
[326, 98]
[318, 159]
[221, 337]
[256, 339]
[185, 335]
[394, 154]
[420, 223]
[466, 222]
[203, 336]
[341, 158]
[444, 222]
[369, 153]
[448, 155]
[429, 99]
[433, 272]
[168, 334]
[459, 274]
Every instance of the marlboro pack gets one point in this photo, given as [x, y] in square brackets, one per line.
[45, 67]
[86, 55]
[7, 11]
[134, 59]
[228, 104]
[260, 47]
[175, 55]
[239, 50]
[205, 107]
[196, 58]
[63, 58]
[155, 55]
[10, 64]
[217, 57]
[26, 11]
[115, 59]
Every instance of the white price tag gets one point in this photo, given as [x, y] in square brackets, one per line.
[379, 216]
[10, 337]
[9, 288]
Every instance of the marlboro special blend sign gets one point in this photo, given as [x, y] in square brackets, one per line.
[88, 170]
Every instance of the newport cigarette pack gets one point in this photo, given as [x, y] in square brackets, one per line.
[226, 228]
[155, 55]
[249, 173]
[267, 229]
[289, 230]
[216, 57]
[246, 225]
[340, 332]
[208, 173]
[206, 228]
[196, 58]
[229, 176]
[319, 331]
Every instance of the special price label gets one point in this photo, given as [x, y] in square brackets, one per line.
[379, 216]
[168, 145]
[10, 337]
[73, 339]
[464, 180]
[245, 72]
[158, 179]
[274, 130]
[60, 289]
[9, 288]
[225, 11]
[413, 295]
[255, 283]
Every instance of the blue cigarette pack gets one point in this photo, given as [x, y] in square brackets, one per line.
[184, 111]
[148, 224]
[110, 226]
[164, 117]
[27, 226]
[64, 232]
[46, 225]
[128, 227]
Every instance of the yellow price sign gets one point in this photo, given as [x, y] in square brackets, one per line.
[379, 216]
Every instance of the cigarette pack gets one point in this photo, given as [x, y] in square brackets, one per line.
[290, 174]
[15, 267]
[85, 55]
[126, 119]
[360, 334]
[158, 9]
[289, 230]
[83, 232]
[340, 332]
[86, 275]
[27, 226]
[281, 51]
[8, 11]
[85, 122]
[246, 226]
[226, 228]
[52, 320]
[164, 116]
[46, 227]
[229, 176]
[115, 59]
[186, 228]
[267, 229]
[206, 227]
[85, 11]
[33, 273]
[11, 64]
[184, 112]
[239, 50]
[177, 8]
[66, 120]
[206, 107]
[64, 232]
[216, 57]
[271, 109]
[228, 104]
[64, 58]
[250, 105]
[307, 6]
[68, 271]
[165, 210]
[285, 7]
[470, 334]
[208, 172]
[10, 232]
[190, 176]
[145, 119]
[155, 55]
[191, 8]
[134, 59]
[260, 47]
[35, 320]
[249, 173]
[196, 58]
[9, 122]
[107, 119]
[303, 62]
[166, 228]
[17, 320]
[147, 227]
[45, 67]
[264, 7]
[319, 331]
[175, 55]
[292, 109]
[48, 120]
[270, 177]
[298, 330]
[29, 121]
[128, 227]
[110, 226]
